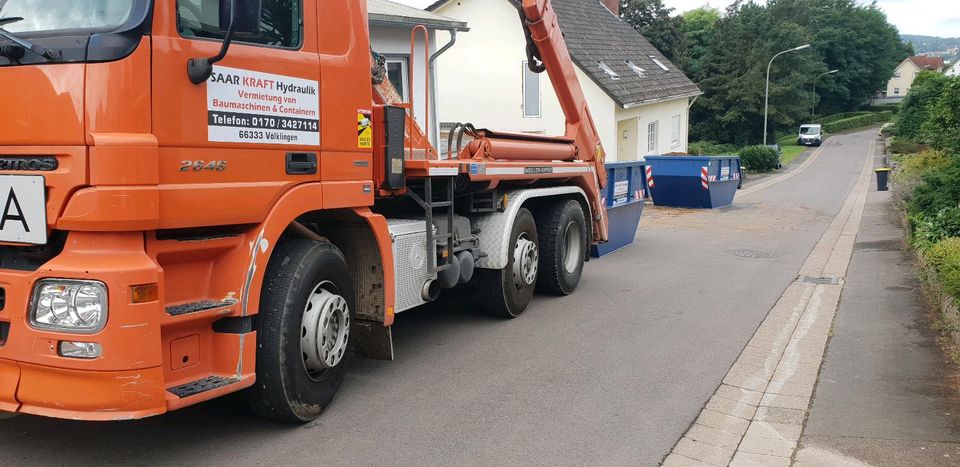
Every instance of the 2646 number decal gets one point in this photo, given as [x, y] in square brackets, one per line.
[200, 166]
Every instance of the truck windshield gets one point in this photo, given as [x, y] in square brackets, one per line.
[809, 130]
[56, 15]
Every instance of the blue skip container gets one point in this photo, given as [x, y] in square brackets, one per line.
[693, 181]
[624, 197]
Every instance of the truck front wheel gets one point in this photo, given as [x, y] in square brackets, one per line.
[508, 291]
[562, 228]
[303, 332]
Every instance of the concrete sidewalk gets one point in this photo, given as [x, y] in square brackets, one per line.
[887, 394]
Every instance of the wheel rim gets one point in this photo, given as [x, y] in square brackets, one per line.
[526, 259]
[325, 330]
[574, 242]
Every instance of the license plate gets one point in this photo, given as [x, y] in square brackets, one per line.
[24, 215]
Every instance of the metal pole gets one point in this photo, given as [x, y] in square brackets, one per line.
[813, 98]
[766, 103]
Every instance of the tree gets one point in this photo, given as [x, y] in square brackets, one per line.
[697, 28]
[652, 19]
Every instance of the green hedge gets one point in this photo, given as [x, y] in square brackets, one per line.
[860, 121]
[843, 116]
[883, 108]
[944, 259]
[709, 148]
[759, 158]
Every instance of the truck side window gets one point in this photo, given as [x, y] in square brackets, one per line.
[280, 22]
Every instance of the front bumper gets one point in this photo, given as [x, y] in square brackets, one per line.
[127, 381]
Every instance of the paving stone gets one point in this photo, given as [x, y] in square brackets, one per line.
[782, 431]
[749, 459]
[768, 446]
[731, 407]
[723, 422]
[739, 394]
[797, 389]
[676, 460]
[712, 436]
[751, 371]
[704, 452]
[780, 415]
[745, 382]
[785, 401]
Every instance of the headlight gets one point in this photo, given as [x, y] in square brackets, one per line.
[69, 306]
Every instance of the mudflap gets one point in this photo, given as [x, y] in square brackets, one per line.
[373, 340]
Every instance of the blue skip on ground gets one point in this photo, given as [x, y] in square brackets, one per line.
[694, 181]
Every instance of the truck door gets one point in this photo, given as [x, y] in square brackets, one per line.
[253, 128]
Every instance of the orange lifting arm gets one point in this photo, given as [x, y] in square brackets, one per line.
[543, 29]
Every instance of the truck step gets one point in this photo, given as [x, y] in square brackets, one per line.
[206, 384]
[198, 307]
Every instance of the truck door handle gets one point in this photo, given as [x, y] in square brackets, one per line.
[301, 163]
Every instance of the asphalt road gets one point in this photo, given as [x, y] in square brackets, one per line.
[611, 375]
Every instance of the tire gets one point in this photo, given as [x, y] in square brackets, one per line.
[499, 292]
[305, 279]
[562, 229]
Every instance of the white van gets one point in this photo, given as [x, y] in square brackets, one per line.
[810, 135]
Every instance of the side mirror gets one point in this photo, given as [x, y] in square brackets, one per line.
[247, 19]
[235, 15]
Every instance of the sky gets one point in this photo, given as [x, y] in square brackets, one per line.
[926, 17]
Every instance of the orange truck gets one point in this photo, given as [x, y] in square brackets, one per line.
[207, 196]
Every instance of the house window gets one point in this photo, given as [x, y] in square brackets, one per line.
[659, 63]
[653, 131]
[896, 75]
[675, 131]
[896, 90]
[397, 74]
[531, 92]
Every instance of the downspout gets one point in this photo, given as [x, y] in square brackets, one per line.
[435, 136]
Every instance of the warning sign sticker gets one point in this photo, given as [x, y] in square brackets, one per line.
[364, 129]
[250, 107]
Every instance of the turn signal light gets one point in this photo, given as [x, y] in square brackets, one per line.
[144, 293]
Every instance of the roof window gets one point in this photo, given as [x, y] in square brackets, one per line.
[609, 71]
[659, 64]
[636, 69]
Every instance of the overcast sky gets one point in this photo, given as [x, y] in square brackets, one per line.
[927, 17]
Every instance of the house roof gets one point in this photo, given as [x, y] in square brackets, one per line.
[389, 13]
[593, 35]
[927, 63]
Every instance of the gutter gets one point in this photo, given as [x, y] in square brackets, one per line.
[658, 100]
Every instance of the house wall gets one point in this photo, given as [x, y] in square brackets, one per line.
[480, 81]
[395, 42]
[907, 72]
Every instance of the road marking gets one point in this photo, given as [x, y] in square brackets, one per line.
[784, 177]
[781, 362]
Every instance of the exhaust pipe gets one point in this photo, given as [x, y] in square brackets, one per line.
[430, 290]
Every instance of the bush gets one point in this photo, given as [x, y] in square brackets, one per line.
[902, 146]
[930, 230]
[759, 158]
[911, 167]
[894, 108]
[944, 258]
[938, 189]
[843, 116]
[859, 121]
[709, 148]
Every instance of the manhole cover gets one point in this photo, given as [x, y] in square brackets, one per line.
[820, 280]
[754, 254]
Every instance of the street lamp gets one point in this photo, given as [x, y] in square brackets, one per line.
[813, 108]
[766, 103]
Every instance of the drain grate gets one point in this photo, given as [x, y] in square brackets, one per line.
[820, 280]
[753, 254]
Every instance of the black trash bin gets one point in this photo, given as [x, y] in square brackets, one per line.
[883, 176]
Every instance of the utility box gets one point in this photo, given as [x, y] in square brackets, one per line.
[693, 181]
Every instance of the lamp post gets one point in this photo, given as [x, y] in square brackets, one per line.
[766, 103]
[813, 107]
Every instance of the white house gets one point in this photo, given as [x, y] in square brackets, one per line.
[907, 71]
[391, 25]
[954, 70]
[639, 100]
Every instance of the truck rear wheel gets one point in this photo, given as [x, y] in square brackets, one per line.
[562, 228]
[508, 291]
[303, 335]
